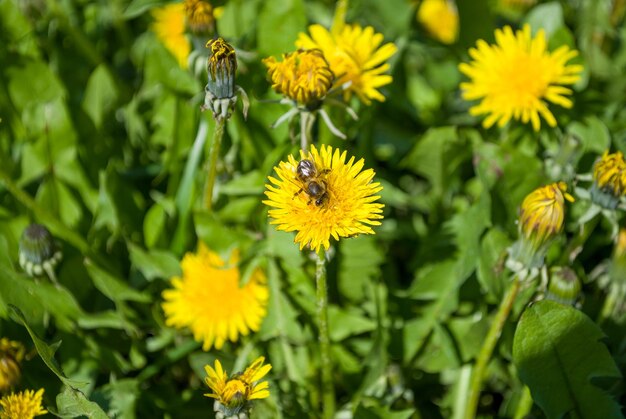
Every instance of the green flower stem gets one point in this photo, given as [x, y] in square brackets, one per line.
[524, 404]
[487, 349]
[608, 306]
[213, 157]
[307, 119]
[328, 391]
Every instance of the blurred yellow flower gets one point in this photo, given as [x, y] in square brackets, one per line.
[440, 18]
[200, 16]
[304, 76]
[11, 356]
[355, 56]
[542, 213]
[517, 76]
[323, 196]
[609, 173]
[235, 393]
[169, 27]
[23, 405]
[209, 300]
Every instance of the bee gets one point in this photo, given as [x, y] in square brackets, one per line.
[312, 181]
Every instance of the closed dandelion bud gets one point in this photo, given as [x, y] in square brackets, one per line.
[199, 15]
[234, 395]
[39, 252]
[221, 66]
[11, 356]
[609, 180]
[564, 286]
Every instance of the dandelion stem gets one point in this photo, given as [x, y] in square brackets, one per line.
[214, 154]
[328, 392]
[489, 344]
[307, 119]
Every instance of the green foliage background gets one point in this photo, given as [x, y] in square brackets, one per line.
[98, 123]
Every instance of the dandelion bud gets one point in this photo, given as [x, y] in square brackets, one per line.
[11, 356]
[440, 18]
[609, 180]
[39, 252]
[200, 18]
[564, 286]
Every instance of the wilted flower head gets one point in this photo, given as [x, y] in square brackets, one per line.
[355, 56]
[11, 356]
[609, 179]
[200, 18]
[39, 251]
[440, 18]
[323, 196]
[23, 405]
[169, 27]
[234, 395]
[543, 212]
[209, 300]
[516, 77]
[303, 76]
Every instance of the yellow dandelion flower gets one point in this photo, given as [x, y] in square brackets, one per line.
[11, 356]
[542, 213]
[323, 196]
[516, 77]
[304, 76]
[200, 16]
[235, 393]
[23, 405]
[169, 27]
[355, 56]
[440, 18]
[609, 173]
[209, 300]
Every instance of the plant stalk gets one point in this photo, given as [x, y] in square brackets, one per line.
[487, 349]
[216, 142]
[328, 391]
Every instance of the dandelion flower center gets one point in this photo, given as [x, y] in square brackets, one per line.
[348, 208]
[516, 77]
[22, 405]
[355, 56]
[208, 299]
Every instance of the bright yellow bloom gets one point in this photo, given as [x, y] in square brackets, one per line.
[209, 300]
[23, 405]
[344, 207]
[440, 18]
[303, 76]
[516, 77]
[200, 18]
[239, 388]
[11, 356]
[355, 56]
[542, 213]
[169, 27]
[609, 173]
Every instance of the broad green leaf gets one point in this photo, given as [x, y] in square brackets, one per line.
[154, 263]
[558, 354]
[113, 287]
[347, 323]
[593, 133]
[278, 25]
[100, 95]
[547, 16]
[359, 265]
[32, 83]
[490, 271]
[123, 395]
[72, 403]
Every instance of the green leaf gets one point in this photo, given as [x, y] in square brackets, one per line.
[72, 403]
[100, 95]
[154, 263]
[547, 16]
[113, 287]
[359, 264]
[138, 7]
[558, 354]
[348, 322]
[279, 23]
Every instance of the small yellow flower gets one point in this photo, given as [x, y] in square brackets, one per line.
[609, 173]
[169, 26]
[209, 300]
[516, 77]
[340, 204]
[542, 213]
[304, 76]
[440, 18]
[235, 393]
[355, 56]
[11, 356]
[200, 16]
[23, 405]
